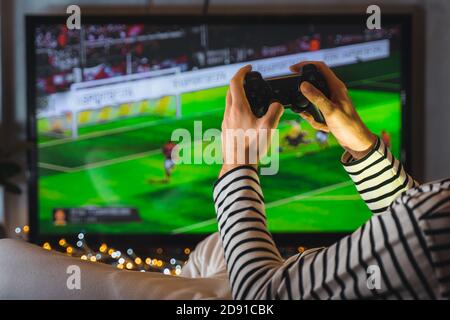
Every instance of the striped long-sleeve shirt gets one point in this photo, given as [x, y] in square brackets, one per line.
[406, 242]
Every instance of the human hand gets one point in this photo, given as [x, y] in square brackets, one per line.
[340, 115]
[245, 138]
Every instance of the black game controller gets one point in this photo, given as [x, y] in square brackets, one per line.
[285, 90]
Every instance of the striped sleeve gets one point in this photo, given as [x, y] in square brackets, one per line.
[391, 245]
[378, 177]
[250, 252]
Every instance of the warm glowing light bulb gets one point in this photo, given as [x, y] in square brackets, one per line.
[62, 242]
[47, 246]
[69, 250]
[103, 248]
[138, 260]
[129, 266]
[187, 250]
[93, 259]
[110, 251]
[83, 257]
[148, 261]
[26, 229]
[120, 266]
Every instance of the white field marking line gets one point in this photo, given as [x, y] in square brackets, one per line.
[109, 162]
[373, 79]
[54, 167]
[346, 197]
[308, 194]
[270, 205]
[104, 163]
[119, 130]
[98, 164]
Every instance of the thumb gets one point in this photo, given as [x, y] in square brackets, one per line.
[316, 97]
[274, 114]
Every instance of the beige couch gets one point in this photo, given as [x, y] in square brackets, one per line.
[30, 272]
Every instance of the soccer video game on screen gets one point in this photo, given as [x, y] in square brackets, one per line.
[109, 96]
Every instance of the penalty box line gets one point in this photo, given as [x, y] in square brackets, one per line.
[277, 203]
[156, 122]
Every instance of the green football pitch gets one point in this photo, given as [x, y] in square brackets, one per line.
[120, 164]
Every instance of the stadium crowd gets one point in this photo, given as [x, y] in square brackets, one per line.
[112, 50]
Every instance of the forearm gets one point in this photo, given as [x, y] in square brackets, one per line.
[378, 177]
[251, 255]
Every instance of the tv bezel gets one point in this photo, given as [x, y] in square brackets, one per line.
[410, 103]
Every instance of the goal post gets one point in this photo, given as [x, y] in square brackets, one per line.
[106, 100]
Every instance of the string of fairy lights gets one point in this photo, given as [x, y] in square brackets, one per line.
[126, 260]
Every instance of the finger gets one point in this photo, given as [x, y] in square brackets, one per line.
[237, 85]
[316, 97]
[316, 125]
[330, 76]
[274, 114]
[228, 101]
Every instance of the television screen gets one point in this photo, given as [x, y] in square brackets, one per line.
[106, 99]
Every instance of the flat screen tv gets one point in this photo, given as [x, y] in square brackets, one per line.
[105, 99]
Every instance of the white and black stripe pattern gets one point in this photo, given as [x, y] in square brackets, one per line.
[411, 248]
[375, 173]
[431, 204]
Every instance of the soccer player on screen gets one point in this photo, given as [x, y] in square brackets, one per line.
[386, 137]
[169, 163]
[322, 139]
[296, 135]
